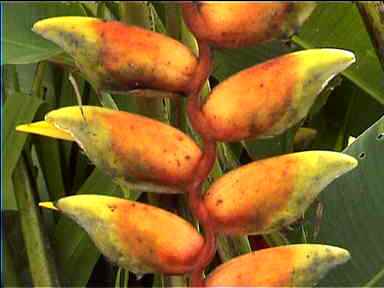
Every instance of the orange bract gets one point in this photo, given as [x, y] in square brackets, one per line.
[118, 57]
[250, 102]
[135, 57]
[269, 194]
[268, 98]
[234, 25]
[133, 235]
[292, 265]
[129, 147]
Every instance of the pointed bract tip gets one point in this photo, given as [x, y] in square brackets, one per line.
[56, 22]
[45, 128]
[341, 255]
[48, 205]
[328, 60]
[345, 161]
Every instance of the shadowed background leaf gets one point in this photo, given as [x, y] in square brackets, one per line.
[21, 45]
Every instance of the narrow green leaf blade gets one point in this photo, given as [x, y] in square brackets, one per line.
[19, 108]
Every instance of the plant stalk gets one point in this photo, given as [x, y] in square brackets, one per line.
[372, 14]
[41, 263]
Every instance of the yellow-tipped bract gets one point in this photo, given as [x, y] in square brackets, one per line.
[237, 24]
[45, 128]
[268, 98]
[136, 236]
[117, 57]
[284, 266]
[127, 146]
[269, 194]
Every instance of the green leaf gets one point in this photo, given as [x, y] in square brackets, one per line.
[353, 212]
[364, 110]
[21, 45]
[268, 147]
[16, 270]
[19, 108]
[340, 26]
[230, 61]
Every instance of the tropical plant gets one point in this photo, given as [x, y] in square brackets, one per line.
[194, 140]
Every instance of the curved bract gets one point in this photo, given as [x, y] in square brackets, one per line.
[268, 98]
[269, 194]
[235, 24]
[118, 57]
[127, 146]
[285, 266]
[135, 236]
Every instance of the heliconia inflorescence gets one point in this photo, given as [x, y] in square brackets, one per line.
[233, 25]
[133, 235]
[252, 103]
[268, 194]
[122, 143]
[261, 101]
[118, 57]
[285, 266]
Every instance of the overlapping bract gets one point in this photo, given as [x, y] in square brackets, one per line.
[133, 235]
[268, 98]
[261, 101]
[268, 194]
[233, 25]
[127, 146]
[118, 57]
[285, 266]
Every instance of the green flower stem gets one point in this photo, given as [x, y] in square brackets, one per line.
[276, 239]
[11, 278]
[373, 282]
[372, 14]
[232, 246]
[38, 80]
[39, 253]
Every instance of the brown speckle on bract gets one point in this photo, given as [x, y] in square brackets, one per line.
[251, 196]
[267, 267]
[249, 103]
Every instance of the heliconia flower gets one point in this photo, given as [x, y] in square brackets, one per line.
[127, 146]
[118, 57]
[135, 236]
[284, 266]
[268, 194]
[268, 98]
[233, 25]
